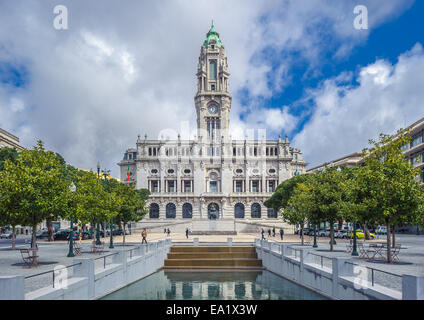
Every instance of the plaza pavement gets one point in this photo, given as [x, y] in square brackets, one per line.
[52, 254]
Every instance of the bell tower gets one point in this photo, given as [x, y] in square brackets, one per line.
[212, 100]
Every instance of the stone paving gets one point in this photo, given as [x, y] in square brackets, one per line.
[53, 254]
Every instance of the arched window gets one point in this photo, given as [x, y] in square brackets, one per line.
[255, 210]
[187, 210]
[272, 213]
[212, 70]
[154, 211]
[239, 210]
[170, 211]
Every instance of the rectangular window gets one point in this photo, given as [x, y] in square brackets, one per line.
[212, 87]
[212, 70]
[213, 186]
[416, 140]
[187, 186]
[404, 147]
[239, 186]
[271, 186]
[171, 186]
[255, 186]
[234, 151]
[155, 186]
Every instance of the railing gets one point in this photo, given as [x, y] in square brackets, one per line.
[53, 272]
[323, 261]
[386, 279]
[104, 258]
[292, 250]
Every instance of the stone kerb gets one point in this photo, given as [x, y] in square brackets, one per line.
[12, 288]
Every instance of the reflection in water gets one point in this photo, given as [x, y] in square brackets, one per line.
[213, 286]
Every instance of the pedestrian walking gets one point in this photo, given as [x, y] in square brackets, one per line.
[168, 232]
[187, 232]
[281, 233]
[269, 233]
[164, 230]
[144, 236]
[263, 234]
[273, 232]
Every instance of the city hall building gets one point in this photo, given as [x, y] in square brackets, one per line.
[212, 183]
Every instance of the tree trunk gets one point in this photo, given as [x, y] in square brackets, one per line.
[123, 227]
[393, 237]
[366, 232]
[50, 230]
[13, 238]
[301, 234]
[389, 256]
[34, 238]
[331, 235]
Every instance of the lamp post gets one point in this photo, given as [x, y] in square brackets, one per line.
[71, 234]
[315, 237]
[105, 174]
[354, 249]
[98, 223]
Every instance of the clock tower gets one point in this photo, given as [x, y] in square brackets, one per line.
[212, 100]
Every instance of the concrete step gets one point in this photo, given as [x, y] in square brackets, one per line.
[199, 249]
[220, 268]
[213, 262]
[211, 255]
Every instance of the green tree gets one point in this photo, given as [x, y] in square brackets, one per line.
[328, 198]
[393, 195]
[8, 154]
[5, 217]
[32, 188]
[93, 203]
[133, 205]
[299, 207]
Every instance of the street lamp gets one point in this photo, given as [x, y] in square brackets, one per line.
[72, 188]
[354, 249]
[315, 237]
[98, 223]
[105, 174]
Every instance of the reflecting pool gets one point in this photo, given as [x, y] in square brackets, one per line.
[240, 285]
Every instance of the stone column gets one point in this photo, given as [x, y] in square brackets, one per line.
[412, 287]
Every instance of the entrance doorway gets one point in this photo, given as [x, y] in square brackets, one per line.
[213, 211]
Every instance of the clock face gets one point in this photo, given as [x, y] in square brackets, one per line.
[213, 109]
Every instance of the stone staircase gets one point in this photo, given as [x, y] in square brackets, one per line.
[205, 257]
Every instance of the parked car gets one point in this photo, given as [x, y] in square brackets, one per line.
[323, 233]
[42, 234]
[6, 235]
[341, 234]
[120, 232]
[360, 234]
[61, 234]
[381, 230]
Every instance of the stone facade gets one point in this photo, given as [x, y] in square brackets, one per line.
[212, 182]
[9, 140]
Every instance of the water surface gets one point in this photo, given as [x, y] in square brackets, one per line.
[262, 285]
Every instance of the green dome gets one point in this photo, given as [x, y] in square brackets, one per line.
[212, 35]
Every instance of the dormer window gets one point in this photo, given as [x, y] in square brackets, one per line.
[213, 47]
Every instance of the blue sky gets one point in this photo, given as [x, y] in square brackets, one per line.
[297, 68]
[386, 41]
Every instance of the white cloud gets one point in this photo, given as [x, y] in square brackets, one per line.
[388, 97]
[123, 69]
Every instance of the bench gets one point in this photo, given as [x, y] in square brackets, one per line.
[30, 256]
